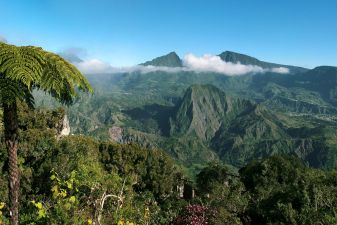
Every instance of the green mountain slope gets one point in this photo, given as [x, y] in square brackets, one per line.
[208, 124]
[320, 79]
[314, 90]
[204, 109]
[222, 121]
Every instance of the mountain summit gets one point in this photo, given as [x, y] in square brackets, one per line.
[234, 57]
[169, 60]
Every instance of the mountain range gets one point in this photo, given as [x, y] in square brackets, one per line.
[198, 116]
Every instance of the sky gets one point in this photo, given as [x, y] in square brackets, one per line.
[126, 33]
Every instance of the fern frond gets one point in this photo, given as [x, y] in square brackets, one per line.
[10, 91]
[28, 66]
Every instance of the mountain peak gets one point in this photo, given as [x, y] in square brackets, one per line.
[170, 60]
[234, 57]
[204, 109]
[196, 87]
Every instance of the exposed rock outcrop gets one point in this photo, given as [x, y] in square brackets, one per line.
[116, 134]
[65, 127]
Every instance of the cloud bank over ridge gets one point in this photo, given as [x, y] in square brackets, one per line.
[213, 63]
[191, 62]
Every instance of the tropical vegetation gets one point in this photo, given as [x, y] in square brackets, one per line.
[165, 148]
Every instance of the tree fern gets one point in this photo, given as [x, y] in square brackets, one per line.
[23, 69]
[34, 67]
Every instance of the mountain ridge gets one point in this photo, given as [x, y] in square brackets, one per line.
[234, 57]
[208, 124]
[173, 60]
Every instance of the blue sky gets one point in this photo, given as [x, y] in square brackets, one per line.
[125, 32]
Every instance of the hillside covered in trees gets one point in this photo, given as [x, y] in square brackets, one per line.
[199, 117]
[79, 180]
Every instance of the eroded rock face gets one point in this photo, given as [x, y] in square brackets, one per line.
[65, 128]
[116, 134]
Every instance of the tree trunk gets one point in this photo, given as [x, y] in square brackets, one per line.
[11, 139]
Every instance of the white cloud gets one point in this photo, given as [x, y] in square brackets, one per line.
[149, 69]
[206, 63]
[282, 70]
[3, 39]
[94, 66]
[213, 63]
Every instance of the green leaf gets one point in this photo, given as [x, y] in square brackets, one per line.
[52, 177]
[72, 199]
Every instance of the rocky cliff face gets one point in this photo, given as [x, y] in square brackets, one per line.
[116, 134]
[64, 129]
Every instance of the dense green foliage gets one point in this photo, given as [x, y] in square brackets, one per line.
[284, 191]
[65, 179]
[151, 170]
[23, 68]
[70, 175]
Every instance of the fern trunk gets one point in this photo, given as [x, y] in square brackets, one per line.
[11, 139]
